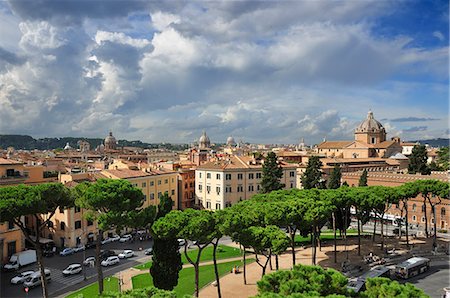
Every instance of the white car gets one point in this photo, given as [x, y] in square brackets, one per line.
[72, 269]
[181, 242]
[79, 248]
[89, 261]
[127, 253]
[111, 261]
[21, 277]
[106, 240]
[115, 238]
[125, 238]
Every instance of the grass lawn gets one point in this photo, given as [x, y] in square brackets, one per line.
[223, 252]
[327, 235]
[111, 284]
[186, 283]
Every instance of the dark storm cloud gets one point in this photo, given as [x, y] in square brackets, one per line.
[73, 11]
[413, 119]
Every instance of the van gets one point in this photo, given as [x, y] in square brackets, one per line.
[35, 279]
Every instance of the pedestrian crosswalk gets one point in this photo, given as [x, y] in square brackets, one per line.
[58, 277]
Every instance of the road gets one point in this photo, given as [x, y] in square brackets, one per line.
[60, 284]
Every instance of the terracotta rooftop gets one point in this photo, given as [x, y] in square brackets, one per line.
[4, 161]
[124, 173]
[237, 162]
[334, 144]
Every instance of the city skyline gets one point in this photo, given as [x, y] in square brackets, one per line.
[264, 72]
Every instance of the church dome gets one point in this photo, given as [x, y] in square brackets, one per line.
[110, 142]
[370, 125]
[230, 141]
[204, 141]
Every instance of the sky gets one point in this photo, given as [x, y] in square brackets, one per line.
[260, 71]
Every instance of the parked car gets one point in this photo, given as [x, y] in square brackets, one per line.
[72, 269]
[48, 253]
[148, 251]
[115, 238]
[106, 253]
[79, 248]
[181, 242]
[66, 252]
[127, 253]
[88, 261]
[110, 261]
[106, 240]
[18, 279]
[34, 279]
[125, 238]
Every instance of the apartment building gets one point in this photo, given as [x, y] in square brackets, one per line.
[152, 183]
[226, 181]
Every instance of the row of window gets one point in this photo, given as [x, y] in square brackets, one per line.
[218, 205]
[228, 188]
[62, 225]
[152, 195]
[152, 183]
[414, 207]
[240, 176]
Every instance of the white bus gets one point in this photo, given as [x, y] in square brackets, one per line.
[412, 267]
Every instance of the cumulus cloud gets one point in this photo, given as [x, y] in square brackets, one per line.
[262, 71]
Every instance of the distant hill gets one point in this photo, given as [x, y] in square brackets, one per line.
[29, 143]
[439, 142]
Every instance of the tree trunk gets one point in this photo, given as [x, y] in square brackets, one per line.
[314, 243]
[345, 232]
[41, 266]
[433, 209]
[318, 239]
[277, 266]
[292, 246]
[359, 231]
[98, 262]
[196, 279]
[426, 216]
[245, 268]
[405, 205]
[374, 229]
[216, 271]
[270, 259]
[382, 233]
[334, 237]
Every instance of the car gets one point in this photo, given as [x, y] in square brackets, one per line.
[106, 253]
[18, 279]
[34, 279]
[106, 240]
[148, 251]
[115, 238]
[79, 248]
[110, 261]
[88, 261]
[127, 253]
[125, 238]
[66, 252]
[181, 242]
[72, 269]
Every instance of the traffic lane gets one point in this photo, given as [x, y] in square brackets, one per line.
[58, 282]
[434, 280]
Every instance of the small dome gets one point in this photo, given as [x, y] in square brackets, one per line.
[110, 139]
[67, 147]
[204, 141]
[370, 125]
[230, 141]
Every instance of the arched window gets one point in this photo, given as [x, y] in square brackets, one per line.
[414, 207]
[414, 218]
[443, 211]
[63, 226]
